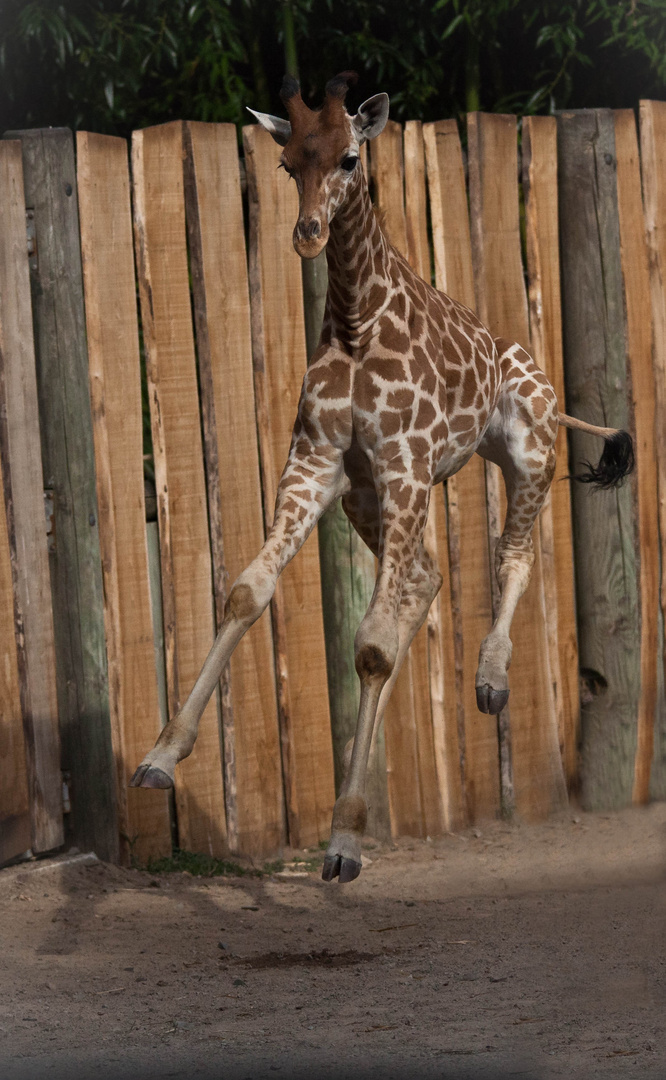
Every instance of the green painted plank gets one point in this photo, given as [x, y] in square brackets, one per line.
[69, 472]
[605, 540]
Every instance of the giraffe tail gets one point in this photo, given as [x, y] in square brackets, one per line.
[616, 461]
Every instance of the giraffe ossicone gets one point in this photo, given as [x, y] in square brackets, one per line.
[405, 386]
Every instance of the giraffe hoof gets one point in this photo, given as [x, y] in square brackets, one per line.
[149, 776]
[338, 866]
[331, 867]
[349, 870]
[489, 700]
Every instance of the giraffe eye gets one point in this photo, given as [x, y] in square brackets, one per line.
[349, 163]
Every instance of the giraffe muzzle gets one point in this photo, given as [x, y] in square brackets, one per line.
[309, 230]
[310, 237]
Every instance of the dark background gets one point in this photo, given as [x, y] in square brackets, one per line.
[114, 65]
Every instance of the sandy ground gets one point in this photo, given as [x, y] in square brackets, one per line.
[509, 951]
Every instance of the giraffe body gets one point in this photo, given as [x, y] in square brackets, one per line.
[405, 386]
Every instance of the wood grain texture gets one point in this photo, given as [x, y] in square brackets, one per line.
[115, 395]
[161, 252]
[605, 538]
[413, 789]
[24, 501]
[638, 314]
[502, 305]
[444, 807]
[539, 171]
[467, 519]
[15, 832]
[279, 357]
[69, 472]
[388, 173]
[224, 348]
[653, 161]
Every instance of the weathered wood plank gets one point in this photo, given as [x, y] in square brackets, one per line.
[444, 807]
[653, 161]
[538, 777]
[224, 347]
[115, 394]
[638, 315]
[279, 356]
[468, 532]
[161, 252]
[69, 472]
[24, 496]
[605, 538]
[388, 173]
[15, 833]
[409, 751]
[539, 153]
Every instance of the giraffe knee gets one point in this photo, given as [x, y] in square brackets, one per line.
[376, 647]
[372, 661]
[247, 600]
[241, 604]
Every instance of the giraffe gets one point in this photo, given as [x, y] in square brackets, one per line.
[405, 385]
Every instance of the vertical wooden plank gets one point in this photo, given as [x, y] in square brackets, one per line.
[638, 315]
[409, 751]
[443, 747]
[69, 472]
[502, 305]
[279, 356]
[115, 394]
[224, 348]
[416, 208]
[543, 263]
[388, 174]
[605, 538]
[653, 160]
[15, 837]
[161, 250]
[24, 496]
[468, 537]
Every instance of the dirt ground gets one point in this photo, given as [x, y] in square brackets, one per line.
[505, 951]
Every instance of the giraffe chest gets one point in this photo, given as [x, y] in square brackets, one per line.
[421, 401]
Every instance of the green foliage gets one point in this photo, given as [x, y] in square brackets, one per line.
[197, 865]
[113, 65]
[191, 862]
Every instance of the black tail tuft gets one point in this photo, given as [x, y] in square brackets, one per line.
[615, 464]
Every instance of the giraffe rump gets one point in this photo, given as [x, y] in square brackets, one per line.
[615, 463]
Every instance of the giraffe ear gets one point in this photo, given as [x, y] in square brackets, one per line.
[280, 129]
[370, 120]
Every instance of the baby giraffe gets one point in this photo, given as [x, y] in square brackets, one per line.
[405, 386]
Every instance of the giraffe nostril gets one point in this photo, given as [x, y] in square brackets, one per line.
[309, 229]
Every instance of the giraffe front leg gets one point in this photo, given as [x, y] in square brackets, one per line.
[378, 654]
[312, 479]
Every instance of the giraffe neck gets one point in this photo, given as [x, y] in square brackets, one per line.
[361, 266]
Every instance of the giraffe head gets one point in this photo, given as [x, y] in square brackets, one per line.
[321, 152]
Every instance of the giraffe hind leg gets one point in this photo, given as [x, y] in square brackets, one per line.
[521, 440]
[381, 645]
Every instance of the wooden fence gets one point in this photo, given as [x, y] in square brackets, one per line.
[99, 645]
